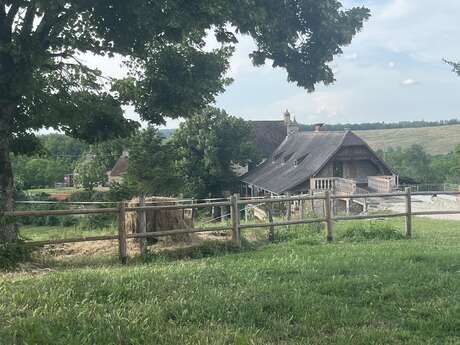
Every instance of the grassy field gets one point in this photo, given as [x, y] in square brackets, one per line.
[297, 291]
[435, 140]
[52, 190]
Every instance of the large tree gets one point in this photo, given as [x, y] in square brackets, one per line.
[44, 83]
[210, 146]
[151, 165]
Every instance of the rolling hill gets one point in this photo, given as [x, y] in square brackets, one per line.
[435, 140]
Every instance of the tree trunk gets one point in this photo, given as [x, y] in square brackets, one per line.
[7, 228]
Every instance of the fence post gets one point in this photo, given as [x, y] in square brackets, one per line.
[302, 209]
[328, 216]
[235, 214]
[271, 229]
[122, 233]
[408, 213]
[142, 224]
[312, 203]
[288, 213]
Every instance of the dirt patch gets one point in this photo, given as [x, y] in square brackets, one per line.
[423, 204]
[110, 248]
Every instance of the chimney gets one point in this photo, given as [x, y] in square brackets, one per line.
[318, 127]
[287, 117]
[293, 127]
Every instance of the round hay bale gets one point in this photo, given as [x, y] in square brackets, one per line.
[161, 220]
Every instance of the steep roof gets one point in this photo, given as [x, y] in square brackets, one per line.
[310, 150]
[268, 135]
[120, 167]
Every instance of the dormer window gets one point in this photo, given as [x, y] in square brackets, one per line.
[300, 159]
[287, 157]
[277, 156]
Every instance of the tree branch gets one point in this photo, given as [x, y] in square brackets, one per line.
[28, 20]
[2, 12]
[12, 14]
[3, 30]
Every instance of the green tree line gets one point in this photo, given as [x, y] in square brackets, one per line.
[196, 160]
[415, 165]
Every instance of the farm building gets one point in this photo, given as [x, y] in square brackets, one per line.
[119, 169]
[317, 161]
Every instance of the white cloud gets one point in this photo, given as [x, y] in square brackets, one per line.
[392, 64]
[409, 82]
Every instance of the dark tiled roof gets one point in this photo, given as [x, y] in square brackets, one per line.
[311, 150]
[120, 167]
[268, 135]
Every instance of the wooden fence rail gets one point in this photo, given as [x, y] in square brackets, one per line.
[235, 226]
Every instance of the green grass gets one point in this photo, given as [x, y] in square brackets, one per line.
[52, 190]
[296, 291]
[40, 233]
[435, 140]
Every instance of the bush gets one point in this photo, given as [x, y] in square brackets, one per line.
[119, 192]
[372, 230]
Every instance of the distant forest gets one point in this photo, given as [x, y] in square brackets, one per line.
[383, 125]
[167, 132]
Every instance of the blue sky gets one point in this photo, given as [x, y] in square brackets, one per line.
[392, 71]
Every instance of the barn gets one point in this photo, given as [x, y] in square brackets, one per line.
[317, 161]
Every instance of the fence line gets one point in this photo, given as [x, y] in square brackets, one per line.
[234, 203]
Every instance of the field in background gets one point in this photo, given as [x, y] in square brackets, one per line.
[297, 291]
[435, 140]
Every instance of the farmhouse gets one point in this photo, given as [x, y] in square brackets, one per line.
[317, 161]
[119, 169]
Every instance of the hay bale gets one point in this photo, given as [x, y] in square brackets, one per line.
[161, 220]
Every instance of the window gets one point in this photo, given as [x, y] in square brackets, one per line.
[300, 159]
[288, 157]
[338, 169]
[277, 156]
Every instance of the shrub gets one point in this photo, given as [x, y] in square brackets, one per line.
[372, 230]
[119, 192]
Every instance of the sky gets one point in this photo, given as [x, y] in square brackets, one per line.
[392, 71]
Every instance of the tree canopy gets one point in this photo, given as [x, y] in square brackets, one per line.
[209, 147]
[151, 167]
[90, 172]
[418, 166]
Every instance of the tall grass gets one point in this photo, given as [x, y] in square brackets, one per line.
[290, 292]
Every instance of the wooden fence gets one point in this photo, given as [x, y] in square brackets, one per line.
[235, 203]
